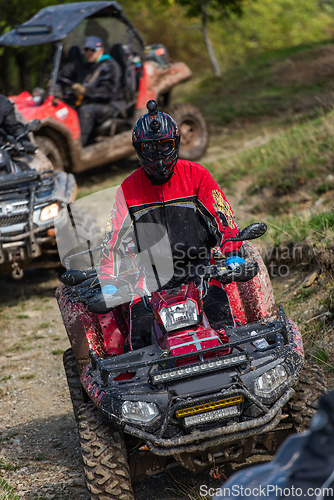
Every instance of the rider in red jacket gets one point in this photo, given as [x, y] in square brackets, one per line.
[183, 199]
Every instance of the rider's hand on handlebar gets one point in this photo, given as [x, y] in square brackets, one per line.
[234, 262]
[79, 89]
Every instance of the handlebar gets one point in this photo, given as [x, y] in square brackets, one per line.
[13, 144]
[102, 303]
[244, 272]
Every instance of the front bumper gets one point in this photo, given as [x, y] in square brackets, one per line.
[202, 440]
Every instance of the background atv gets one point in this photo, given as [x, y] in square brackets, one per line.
[147, 74]
[30, 199]
[195, 397]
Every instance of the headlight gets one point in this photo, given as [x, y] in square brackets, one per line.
[270, 380]
[179, 315]
[49, 212]
[139, 411]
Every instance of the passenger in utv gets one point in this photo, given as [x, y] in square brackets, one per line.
[97, 86]
[182, 197]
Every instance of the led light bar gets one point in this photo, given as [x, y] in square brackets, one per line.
[214, 405]
[197, 368]
[203, 418]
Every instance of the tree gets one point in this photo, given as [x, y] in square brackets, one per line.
[19, 65]
[209, 10]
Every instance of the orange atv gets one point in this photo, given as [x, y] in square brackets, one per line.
[146, 71]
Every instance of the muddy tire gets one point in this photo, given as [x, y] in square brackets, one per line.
[104, 457]
[73, 380]
[310, 387]
[193, 130]
[49, 148]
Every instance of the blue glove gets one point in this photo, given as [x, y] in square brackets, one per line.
[234, 262]
[109, 289]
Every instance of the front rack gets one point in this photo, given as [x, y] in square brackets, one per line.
[120, 364]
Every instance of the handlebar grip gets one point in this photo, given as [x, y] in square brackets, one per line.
[245, 272]
[98, 304]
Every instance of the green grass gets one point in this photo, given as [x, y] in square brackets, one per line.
[328, 300]
[287, 161]
[187, 491]
[44, 325]
[57, 352]
[260, 87]
[57, 445]
[7, 492]
[317, 230]
[40, 457]
[27, 377]
[8, 465]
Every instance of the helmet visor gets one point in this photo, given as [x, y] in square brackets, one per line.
[153, 148]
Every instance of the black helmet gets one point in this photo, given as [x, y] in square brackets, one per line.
[156, 140]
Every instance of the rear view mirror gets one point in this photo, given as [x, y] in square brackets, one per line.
[34, 125]
[253, 231]
[250, 232]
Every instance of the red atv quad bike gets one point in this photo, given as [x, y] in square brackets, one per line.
[193, 396]
[147, 74]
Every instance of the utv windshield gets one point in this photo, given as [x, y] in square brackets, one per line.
[110, 30]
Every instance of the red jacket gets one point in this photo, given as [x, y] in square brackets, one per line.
[190, 207]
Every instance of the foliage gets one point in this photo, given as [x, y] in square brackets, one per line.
[6, 491]
[265, 25]
[215, 8]
[21, 64]
[318, 228]
[288, 160]
[272, 24]
[211, 9]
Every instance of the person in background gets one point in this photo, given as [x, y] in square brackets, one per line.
[96, 81]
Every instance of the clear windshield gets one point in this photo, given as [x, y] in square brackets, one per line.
[110, 30]
[98, 232]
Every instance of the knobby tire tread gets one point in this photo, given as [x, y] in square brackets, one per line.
[310, 387]
[104, 456]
